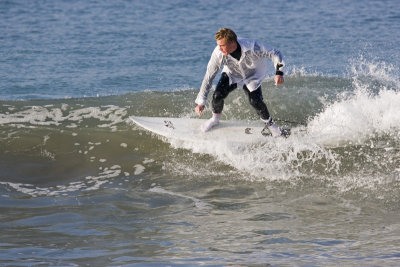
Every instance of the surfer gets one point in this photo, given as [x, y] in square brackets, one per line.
[243, 65]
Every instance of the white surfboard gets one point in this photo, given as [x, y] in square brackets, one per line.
[187, 129]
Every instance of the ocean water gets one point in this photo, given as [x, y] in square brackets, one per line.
[80, 185]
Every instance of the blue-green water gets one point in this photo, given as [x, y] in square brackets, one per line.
[81, 185]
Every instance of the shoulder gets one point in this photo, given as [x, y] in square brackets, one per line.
[246, 44]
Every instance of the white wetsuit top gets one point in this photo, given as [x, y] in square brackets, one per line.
[250, 70]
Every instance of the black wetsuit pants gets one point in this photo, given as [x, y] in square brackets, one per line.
[223, 89]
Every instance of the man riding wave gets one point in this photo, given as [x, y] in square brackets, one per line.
[244, 65]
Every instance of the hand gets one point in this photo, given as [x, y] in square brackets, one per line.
[278, 79]
[199, 109]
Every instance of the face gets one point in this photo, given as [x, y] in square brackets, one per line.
[225, 47]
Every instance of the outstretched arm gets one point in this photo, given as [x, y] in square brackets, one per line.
[212, 69]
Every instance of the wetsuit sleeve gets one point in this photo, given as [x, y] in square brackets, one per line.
[213, 67]
[266, 51]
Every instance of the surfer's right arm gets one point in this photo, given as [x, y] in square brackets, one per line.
[213, 67]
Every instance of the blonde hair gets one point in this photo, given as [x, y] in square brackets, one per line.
[228, 34]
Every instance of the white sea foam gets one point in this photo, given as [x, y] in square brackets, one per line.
[47, 116]
[147, 161]
[318, 150]
[124, 145]
[92, 182]
[357, 118]
[138, 169]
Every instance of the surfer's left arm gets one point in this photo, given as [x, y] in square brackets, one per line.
[275, 55]
[278, 79]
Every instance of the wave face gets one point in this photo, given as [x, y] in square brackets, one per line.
[345, 134]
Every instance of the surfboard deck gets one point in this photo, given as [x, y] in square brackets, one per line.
[188, 129]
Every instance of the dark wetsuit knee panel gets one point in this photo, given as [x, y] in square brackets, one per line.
[223, 81]
[256, 101]
[255, 96]
[221, 92]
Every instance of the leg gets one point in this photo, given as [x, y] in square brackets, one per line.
[256, 100]
[221, 92]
